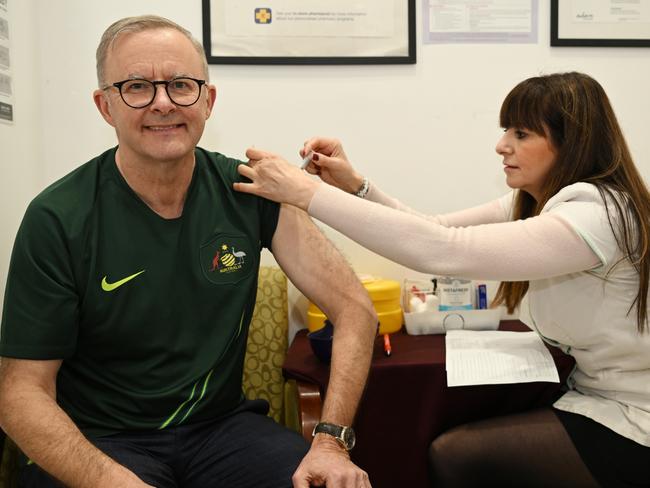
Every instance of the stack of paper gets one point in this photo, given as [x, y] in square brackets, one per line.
[491, 357]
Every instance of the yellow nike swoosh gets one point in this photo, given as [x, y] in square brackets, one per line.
[106, 286]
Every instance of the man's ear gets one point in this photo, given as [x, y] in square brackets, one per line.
[100, 98]
[210, 99]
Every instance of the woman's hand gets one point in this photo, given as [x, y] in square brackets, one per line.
[331, 164]
[273, 178]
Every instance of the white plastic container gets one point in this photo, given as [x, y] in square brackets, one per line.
[430, 322]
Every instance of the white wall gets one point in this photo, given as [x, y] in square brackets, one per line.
[20, 149]
[425, 133]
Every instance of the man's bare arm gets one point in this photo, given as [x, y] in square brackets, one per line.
[30, 415]
[319, 271]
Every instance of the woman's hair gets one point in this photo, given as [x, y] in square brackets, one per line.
[140, 23]
[573, 110]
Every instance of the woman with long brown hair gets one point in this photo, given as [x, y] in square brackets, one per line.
[570, 247]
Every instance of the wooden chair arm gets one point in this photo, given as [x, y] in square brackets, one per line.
[309, 407]
[2, 445]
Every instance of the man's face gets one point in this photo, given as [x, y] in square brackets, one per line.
[162, 131]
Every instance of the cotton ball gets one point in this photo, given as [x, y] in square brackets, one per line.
[432, 303]
[415, 304]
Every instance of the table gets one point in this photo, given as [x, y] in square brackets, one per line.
[407, 403]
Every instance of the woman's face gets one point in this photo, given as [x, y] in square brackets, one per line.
[527, 159]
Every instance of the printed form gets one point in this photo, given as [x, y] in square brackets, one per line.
[494, 356]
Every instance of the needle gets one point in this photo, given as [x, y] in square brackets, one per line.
[306, 160]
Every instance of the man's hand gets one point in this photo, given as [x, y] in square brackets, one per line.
[328, 464]
[30, 415]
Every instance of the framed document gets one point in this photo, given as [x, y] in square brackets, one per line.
[480, 21]
[309, 31]
[600, 23]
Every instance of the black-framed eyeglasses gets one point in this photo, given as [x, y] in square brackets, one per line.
[139, 93]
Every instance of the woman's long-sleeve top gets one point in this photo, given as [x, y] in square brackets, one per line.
[581, 284]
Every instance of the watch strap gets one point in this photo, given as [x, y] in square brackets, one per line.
[343, 434]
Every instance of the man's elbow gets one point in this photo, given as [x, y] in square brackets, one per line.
[369, 309]
[357, 303]
[18, 390]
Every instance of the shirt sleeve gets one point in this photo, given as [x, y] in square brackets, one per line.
[268, 211]
[41, 307]
[584, 209]
[539, 247]
[488, 213]
[269, 215]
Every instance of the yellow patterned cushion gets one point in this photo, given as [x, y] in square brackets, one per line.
[268, 342]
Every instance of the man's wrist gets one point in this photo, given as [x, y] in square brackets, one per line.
[343, 434]
[326, 441]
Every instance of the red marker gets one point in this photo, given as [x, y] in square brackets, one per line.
[387, 349]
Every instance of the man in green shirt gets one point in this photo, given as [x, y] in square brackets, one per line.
[131, 287]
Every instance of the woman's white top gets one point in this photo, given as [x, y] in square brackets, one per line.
[579, 298]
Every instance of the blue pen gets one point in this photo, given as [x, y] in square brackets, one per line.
[482, 297]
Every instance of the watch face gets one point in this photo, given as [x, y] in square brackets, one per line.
[348, 438]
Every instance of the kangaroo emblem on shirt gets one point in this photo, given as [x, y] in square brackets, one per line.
[227, 259]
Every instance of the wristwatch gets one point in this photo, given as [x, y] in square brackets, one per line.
[345, 435]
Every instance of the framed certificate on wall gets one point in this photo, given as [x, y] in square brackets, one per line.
[309, 32]
[600, 23]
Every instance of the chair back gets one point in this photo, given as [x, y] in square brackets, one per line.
[268, 342]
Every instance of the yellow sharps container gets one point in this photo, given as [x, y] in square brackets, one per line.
[385, 296]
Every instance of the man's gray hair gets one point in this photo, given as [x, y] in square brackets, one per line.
[140, 23]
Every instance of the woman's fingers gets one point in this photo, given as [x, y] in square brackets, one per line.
[324, 145]
[313, 169]
[321, 161]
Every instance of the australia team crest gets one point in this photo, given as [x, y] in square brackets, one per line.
[227, 259]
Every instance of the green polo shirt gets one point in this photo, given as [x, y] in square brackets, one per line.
[149, 315]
